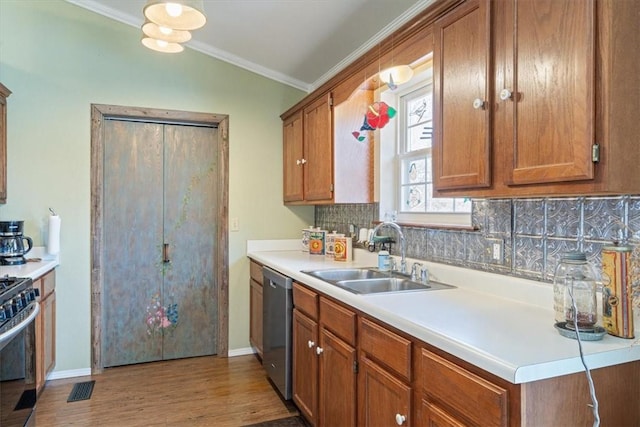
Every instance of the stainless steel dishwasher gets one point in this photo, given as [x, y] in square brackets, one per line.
[277, 318]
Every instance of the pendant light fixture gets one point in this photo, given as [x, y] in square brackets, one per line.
[161, 45]
[176, 14]
[169, 22]
[396, 75]
[155, 31]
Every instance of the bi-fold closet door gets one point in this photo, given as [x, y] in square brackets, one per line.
[159, 293]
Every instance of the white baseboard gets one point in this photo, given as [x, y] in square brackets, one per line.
[241, 351]
[71, 373]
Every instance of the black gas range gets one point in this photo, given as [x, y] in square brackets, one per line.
[17, 298]
[18, 309]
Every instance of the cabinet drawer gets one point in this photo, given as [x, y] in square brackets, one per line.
[386, 347]
[45, 284]
[255, 271]
[481, 401]
[339, 320]
[305, 300]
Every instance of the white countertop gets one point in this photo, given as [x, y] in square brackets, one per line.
[499, 323]
[33, 269]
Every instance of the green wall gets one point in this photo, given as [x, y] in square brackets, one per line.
[58, 59]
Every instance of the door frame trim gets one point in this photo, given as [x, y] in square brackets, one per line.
[100, 113]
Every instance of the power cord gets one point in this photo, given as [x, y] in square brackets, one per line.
[592, 390]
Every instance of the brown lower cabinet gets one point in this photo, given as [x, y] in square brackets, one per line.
[45, 325]
[324, 359]
[350, 369]
[255, 307]
[453, 396]
[384, 387]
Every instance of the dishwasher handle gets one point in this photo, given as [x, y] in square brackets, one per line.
[276, 279]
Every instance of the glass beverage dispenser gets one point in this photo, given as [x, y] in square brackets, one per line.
[574, 292]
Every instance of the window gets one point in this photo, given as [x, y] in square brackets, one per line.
[407, 165]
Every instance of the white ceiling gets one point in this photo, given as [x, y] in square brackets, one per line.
[302, 43]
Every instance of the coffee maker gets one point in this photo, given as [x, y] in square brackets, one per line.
[12, 243]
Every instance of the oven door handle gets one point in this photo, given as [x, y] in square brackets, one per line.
[7, 336]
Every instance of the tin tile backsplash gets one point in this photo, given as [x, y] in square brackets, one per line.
[534, 232]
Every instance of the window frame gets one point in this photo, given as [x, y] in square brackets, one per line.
[390, 181]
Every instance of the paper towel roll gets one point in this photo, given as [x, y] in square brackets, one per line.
[53, 244]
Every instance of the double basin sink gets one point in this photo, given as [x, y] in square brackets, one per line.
[371, 281]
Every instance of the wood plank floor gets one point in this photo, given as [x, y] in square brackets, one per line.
[202, 391]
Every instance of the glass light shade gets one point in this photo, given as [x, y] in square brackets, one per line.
[167, 34]
[184, 15]
[400, 74]
[161, 45]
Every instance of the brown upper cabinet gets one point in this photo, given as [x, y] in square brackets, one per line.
[318, 148]
[4, 94]
[322, 166]
[462, 144]
[327, 157]
[533, 98]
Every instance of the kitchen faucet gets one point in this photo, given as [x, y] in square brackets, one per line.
[403, 242]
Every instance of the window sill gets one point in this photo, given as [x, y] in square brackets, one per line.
[449, 227]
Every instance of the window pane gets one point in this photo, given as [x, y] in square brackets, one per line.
[414, 171]
[419, 137]
[413, 198]
[462, 205]
[438, 205]
[419, 109]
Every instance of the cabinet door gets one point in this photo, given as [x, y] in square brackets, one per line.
[255, 328]
[305, 365]
[461, 76]
[293, 158]
[383, 399]
[337, 382]
[547, 128]
[49, 334]
[318, 150]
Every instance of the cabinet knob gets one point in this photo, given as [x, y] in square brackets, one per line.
[478, 104]
[400, 419]
[303, 161]
[298, 162]
[505, 94]
[319, 350]
[310, 343]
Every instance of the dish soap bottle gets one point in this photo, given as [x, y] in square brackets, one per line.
[383, 260]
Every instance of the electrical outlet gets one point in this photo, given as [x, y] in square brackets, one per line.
[495, 249]
[234, 224]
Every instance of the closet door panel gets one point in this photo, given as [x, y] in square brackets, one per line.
[133, 220]
[190, 182]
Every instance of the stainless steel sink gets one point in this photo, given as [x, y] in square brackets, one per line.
[371, 281]
[337, 274]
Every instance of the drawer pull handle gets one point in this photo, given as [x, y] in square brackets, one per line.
[400, 419]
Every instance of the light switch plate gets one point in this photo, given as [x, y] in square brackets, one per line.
[234, 224]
